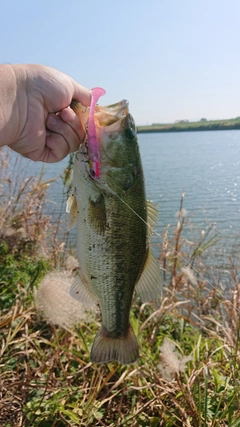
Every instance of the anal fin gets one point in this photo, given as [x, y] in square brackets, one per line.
[80, 291]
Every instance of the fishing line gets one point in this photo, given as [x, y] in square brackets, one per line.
[153, 231]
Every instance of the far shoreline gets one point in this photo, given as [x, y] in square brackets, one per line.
[185, 126]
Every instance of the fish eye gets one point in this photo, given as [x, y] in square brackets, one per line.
[129, 128]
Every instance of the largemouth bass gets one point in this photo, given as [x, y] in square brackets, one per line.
[112, 217]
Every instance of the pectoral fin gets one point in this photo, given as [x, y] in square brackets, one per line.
[80, 291]
[97, 214]
[149, 285]
[71, 208]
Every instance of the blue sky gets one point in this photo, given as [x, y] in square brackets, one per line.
[172, 59]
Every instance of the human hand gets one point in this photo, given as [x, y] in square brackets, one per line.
[48, 129]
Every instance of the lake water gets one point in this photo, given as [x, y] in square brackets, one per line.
[203, 165]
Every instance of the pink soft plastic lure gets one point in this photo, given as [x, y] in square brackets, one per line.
[93, 149]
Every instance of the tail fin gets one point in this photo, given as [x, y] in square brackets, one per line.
[123, 349]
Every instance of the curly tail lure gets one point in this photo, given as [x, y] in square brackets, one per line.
[93, 149]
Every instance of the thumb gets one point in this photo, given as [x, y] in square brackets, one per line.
[81, 94]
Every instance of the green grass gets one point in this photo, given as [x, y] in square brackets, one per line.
[192, 126]
[47, 378]
[47, 372]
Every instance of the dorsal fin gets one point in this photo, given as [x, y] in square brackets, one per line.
[152, 213]
[149, 286]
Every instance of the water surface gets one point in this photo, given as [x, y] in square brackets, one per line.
[203, 165]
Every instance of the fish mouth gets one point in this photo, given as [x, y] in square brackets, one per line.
[111, 114]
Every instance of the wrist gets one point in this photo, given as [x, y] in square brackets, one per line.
[13, 102]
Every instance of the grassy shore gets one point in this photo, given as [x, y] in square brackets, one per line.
[192, 126]
[188, 370]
